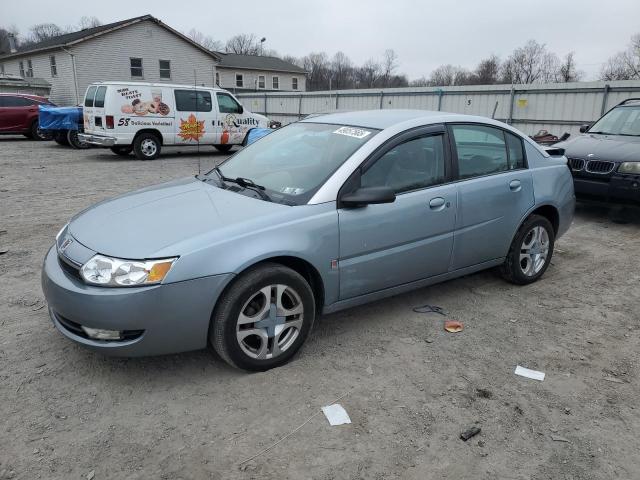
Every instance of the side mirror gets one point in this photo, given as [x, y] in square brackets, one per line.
[584, 128]
[368, 196]
[240, 109]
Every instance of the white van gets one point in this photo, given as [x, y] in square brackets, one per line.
[144, 117]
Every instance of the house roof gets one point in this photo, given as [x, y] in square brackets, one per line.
[257, 62]
[72, 38]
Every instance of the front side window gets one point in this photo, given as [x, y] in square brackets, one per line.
[227, 104]
[261, 81]
[481, 150]
[275, 83]
[165, 69]
[293, 162]
[54, 67]
[29, 69]
[619, 121]
[415, 164]
[294, 83]
[88, 100]
[193, 101]
[136, 68]
[239, 80]
[100, 94]
[21, 67]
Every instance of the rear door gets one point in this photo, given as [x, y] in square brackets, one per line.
[98, 119]
[382, 246]
[495, 190]
[16, 113]
[195, 115]
[87, 109]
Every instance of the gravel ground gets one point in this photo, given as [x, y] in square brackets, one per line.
[409, 387]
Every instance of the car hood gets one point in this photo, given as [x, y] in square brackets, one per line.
[160, 221]
[614, 148]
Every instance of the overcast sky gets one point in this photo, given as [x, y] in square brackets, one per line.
[424, 34]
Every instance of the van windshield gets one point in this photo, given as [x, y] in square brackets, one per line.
[619, 121]
[292, 163]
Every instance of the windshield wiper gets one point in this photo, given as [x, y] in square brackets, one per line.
[245, 183]
[601, 133]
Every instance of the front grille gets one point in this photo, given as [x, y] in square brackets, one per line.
[599, 166]
[576, 164]
[76, 329]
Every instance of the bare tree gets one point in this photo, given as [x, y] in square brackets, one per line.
[342, 69]
[446, 75]
[487, 72]
[419, 82]
[624, 65]
[531, 63]
[44, 31]
[205, 40]
[88, 22]
[568, 71]
[243, 44]
[5, 34]
[389, 66]
[317, 64]
[368, 74]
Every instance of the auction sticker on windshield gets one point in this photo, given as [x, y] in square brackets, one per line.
[352, 132]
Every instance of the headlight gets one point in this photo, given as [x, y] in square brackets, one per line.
[629, 167]
[114, 272]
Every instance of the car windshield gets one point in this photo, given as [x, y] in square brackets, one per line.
[292, 163]
[619, 121]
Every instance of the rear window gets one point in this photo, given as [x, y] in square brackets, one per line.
[100, 94]
[88, 101]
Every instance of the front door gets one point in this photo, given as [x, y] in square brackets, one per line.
[386, 245]
[194, 117]
[233, 122]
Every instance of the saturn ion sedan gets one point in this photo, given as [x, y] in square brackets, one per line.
[324, 214]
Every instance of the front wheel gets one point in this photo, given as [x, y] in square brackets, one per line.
[146, 146]
[263, 318]
[223, 148]
[530, 252]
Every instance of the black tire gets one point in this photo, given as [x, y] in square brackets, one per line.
[223, 148]
[224, 321]
[60, 137]
[74, 141]
[513, 268]
[38, 134]
[147, 146]
[123, 151]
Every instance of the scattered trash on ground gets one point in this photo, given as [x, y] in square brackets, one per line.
[484, 393]
[91, 475]
[429, 309]
[613, 380]
[369, 370]
[2, 252]
[532, 374]
[471, 432]
[336, 414]
[453, 326]
[558, 438]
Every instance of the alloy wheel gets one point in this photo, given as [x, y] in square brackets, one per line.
[534, 251]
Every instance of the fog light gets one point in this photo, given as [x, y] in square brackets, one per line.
[100, 334]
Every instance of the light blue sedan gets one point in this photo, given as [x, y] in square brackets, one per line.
[324, 214]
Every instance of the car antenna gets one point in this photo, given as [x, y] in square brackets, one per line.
[195, 86]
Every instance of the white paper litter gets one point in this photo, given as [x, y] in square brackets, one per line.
[336, 414]
[533, 374]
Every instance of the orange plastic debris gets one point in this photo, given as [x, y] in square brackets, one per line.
[453, 326]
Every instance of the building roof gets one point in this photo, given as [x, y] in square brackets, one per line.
[257, 62]
[72, 38]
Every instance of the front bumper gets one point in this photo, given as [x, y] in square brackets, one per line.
[157, 319]
[102, 141]
[618, 188]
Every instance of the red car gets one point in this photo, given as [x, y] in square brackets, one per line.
[19, 115]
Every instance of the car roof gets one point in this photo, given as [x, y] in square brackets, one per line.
[152, 84]
[386, 118]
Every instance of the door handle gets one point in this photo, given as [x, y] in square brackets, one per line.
[436, 203]
[515, 185]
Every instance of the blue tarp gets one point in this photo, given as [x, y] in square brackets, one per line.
[60, 118]
[257, 133]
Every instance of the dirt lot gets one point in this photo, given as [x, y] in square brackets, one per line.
[410, 387]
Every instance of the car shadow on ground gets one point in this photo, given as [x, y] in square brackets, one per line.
[616, 213]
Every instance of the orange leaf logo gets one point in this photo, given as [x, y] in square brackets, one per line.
[191, 128]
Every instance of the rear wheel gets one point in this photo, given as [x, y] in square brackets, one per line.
[75, 142]
[223, 148]
[263, 318]
[123, 151]
[147, 146]
[530, 252]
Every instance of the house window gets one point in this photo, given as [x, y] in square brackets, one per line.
[261, 81]
[294, 83]
[239, 80]
[29, 69]
[275, 83]
[217, 78]
[165, 69]
[21, 66]
[136, 68]
[54, 67]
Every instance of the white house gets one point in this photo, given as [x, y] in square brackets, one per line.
[252, 73]
[138, 49]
